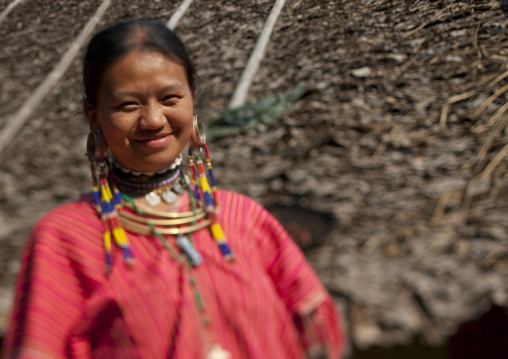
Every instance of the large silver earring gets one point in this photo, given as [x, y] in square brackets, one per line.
[96, 147]
[198, 137]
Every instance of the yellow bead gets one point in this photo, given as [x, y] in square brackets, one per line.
[107, 241]
[120, 236]
[217, 232]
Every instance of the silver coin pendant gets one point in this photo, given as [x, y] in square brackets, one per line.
[169, 196]
[178, 188]
[152, 199]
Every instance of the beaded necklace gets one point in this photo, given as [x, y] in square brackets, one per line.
[118, 210]
[155, 186]
[109, 201]
[159, 223]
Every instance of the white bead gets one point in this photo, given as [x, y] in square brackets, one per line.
[218, 353]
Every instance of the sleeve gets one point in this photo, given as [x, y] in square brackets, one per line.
[320, 332]
[49, 301]
[299, 287]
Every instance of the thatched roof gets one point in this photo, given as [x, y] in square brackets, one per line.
[401, 138]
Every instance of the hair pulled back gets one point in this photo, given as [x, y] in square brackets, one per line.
[115, 42]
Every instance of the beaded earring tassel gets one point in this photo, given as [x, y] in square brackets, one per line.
[116, 192]
[195, 193]
[106, 206]
[96, 189]
[212, 207]
[212, 178]
[112, 223]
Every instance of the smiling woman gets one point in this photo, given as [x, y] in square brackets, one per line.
[145, 110]
[140, 90]
[206, 273]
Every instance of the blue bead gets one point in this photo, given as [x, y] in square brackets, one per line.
[224, 249]
[96, 198]
[208, 199]
[212, 179]
[109, 261]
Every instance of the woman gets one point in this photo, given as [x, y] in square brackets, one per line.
[205, 273]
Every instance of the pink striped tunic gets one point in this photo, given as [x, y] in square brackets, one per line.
[67, 308]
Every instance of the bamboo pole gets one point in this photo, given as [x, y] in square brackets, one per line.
[175, 18]
[14, 123]
[8, 9]
[243, 85]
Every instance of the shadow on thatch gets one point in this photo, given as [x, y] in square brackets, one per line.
[503, 5]
[307, 227]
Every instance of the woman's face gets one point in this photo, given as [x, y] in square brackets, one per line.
[144, 109]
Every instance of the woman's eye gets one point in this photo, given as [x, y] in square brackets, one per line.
[128, 105]
[169, 99]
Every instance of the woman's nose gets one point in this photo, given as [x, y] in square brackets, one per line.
[152, 117]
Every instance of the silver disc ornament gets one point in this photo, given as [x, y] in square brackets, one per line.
[178, 188]
[169, 196]
[152, 199]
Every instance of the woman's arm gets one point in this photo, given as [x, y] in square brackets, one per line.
[49, 300]
[299, 287]
[320, 332]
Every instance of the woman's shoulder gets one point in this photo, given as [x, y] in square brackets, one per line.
[239, 208]
[74, 214]
[238, 201]
[225, 194]
[82, 206]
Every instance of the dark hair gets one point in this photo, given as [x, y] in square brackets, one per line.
[113, 43]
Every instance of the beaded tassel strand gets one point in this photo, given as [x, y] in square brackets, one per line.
[96, 189]
[106, 205]
[196, 194]
[194, 258]
[185, 242]
[116, 192]
[212, 178]
[212, 208]
[112, 225]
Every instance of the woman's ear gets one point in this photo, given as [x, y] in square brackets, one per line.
[91, 116]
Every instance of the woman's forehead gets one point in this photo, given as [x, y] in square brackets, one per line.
[142, 70]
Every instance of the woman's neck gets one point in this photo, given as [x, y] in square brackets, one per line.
[176, 163]
[161, 189]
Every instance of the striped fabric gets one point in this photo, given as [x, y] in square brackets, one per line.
[66, 308]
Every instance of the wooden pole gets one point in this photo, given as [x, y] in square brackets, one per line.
[14, 123]
[8, 9]
[175, 18]
[243, 85]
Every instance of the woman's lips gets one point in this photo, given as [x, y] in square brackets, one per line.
[158, 141]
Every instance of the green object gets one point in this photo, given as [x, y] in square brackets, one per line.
[248, 117]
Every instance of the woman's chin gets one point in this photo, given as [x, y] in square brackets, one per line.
[149, 164]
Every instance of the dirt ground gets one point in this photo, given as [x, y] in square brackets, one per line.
[401, 142]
